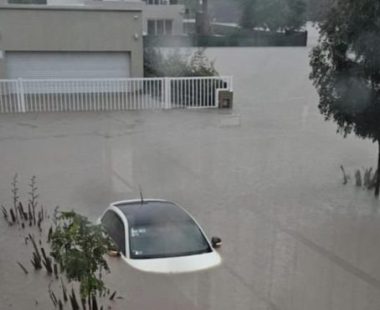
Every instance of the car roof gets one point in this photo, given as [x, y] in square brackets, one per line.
[152, 212]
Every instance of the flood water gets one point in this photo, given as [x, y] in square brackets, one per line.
[263, 176]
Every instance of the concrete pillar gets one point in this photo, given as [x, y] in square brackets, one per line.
[2, 61]
[2, 52]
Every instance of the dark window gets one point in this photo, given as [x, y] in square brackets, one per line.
[160, 27]
[168, 27]
[167, 240]
[115, 229]
[151, 27]
[162, 229]
[27, 1]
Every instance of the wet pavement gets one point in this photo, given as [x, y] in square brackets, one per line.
[263, 176]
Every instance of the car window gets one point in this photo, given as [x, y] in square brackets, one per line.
[115, 228]
[169, 239]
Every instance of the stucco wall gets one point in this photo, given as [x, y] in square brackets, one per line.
[34, 28]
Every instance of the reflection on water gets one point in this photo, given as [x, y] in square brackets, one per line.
[264, 177]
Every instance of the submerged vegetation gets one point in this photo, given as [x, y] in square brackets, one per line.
[67, 246]
[79, 246]
[364, 178]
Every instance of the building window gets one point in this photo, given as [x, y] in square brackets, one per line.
[151, 27]
[168, 26]
[27, 1]
[161, 2]
[158, 27]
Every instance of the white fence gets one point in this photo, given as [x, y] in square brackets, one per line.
[110, 94]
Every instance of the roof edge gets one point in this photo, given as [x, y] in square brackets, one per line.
[116, 7]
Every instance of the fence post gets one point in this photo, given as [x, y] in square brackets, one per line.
[162, 97]
[20, 96]
[168, 99]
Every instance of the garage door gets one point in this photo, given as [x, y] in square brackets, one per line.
[61, 65]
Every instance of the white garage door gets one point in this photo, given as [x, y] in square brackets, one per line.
[62, 65]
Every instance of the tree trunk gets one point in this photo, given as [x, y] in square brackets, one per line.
[377, 188]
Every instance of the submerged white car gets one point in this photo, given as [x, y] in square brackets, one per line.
[158, 236]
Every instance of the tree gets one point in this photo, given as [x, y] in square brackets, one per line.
[318, 9]
[79, 248]
[296, 14]
[157, 64]
[224, 10]
[247, 18]
[287, 15]
[346, 69]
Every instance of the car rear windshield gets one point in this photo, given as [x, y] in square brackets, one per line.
[171, 239]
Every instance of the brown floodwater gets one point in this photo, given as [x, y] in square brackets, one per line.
[263, 176]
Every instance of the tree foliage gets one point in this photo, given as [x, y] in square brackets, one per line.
[346, 68]
[79, 248]
[318, 9]
[247, 18]
[274, 15]
[296, 14]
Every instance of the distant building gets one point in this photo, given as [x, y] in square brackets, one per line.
[163, 17]
[160, 17]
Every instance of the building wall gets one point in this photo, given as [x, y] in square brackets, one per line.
[173, 12]
[88, 28]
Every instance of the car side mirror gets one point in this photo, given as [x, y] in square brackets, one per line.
[216, 242]
[113, 253]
